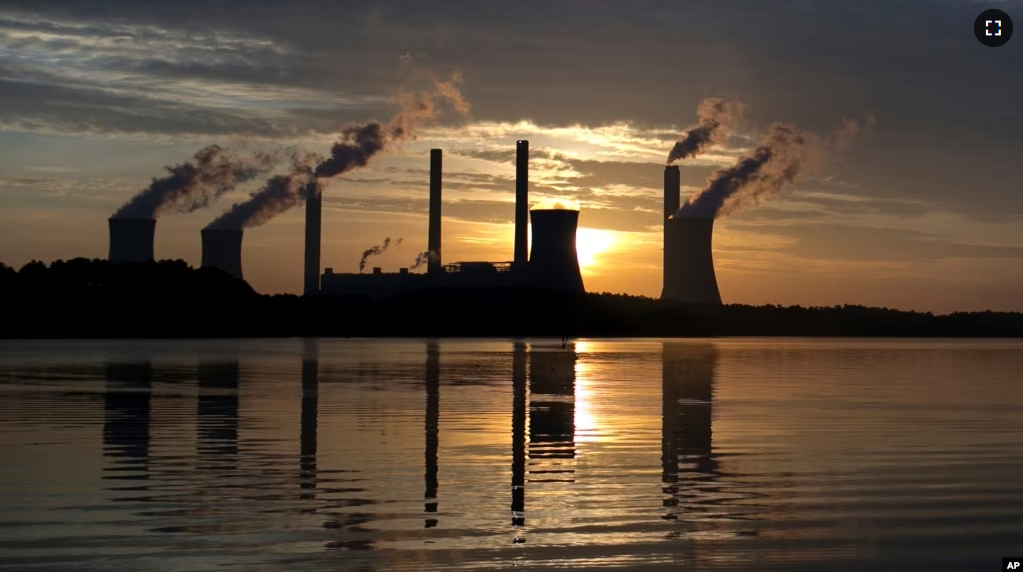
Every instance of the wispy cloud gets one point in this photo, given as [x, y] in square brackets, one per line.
[61, 75]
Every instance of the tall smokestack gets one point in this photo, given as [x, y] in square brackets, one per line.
[131, 239]
[672, 190]
[434, 264]
[222, 248]
[672, 202]
[313, 212]
[521, 201]
[689, 264]
[554, 262]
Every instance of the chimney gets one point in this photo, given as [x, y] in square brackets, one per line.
[553, 261]
[222, 248]
[378, 270]
[131, 239]
[313, 212]
[434, 264]
[521, 201]
[689, 264]
[403, 271]
[672, 190]
[672, 202]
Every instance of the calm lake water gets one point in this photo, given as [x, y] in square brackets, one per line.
[308, 455]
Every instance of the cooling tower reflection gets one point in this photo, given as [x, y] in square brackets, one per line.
[687, 402]
[217, 410]
[551, 414]
[127, 412]
[549, 399]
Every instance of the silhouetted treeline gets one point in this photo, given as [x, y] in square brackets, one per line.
[96, 298]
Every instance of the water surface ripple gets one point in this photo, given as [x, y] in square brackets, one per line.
[309, 455]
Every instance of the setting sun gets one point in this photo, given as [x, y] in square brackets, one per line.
[589, 242]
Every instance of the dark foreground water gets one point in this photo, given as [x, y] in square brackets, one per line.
[343, 455]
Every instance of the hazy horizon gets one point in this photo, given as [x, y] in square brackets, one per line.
[923, 212]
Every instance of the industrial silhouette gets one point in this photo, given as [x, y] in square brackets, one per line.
[222, 248]
[553, 262]
[131, 239]
[313, 235]
[688, 263]
[433, 245]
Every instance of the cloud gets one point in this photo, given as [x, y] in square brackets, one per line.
[864, 243]
[106, 190]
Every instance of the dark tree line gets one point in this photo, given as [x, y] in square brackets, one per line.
[96, 298]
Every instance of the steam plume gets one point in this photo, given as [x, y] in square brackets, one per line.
[376, 251]
[716, 115]
[210, 173]
[778, 162]
[278, 194]
[358, 145]
[424, 258]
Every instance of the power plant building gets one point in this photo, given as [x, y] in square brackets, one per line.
[552, 264]
[688, 262]
[222, 248]
[553, 261]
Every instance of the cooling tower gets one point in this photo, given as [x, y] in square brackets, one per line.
[434, 264]
[553, 261]
[688, 263]
[313, 212]
[131, 239]
[521, 201]
[222, 248]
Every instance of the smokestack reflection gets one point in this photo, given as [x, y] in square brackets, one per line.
[127, 409]
[309, 415]
[217, 410]
[432, 429]
[519, 397]
[688, 387]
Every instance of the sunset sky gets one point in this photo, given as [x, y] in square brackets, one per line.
[923, 212]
